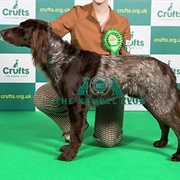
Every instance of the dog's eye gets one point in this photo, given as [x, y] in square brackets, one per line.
[20, 27]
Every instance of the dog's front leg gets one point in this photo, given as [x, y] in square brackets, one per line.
[77, 116]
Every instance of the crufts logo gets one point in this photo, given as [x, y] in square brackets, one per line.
[15, 11]
[175, 70]
[169, 12]
[135, 42]
[15, 70]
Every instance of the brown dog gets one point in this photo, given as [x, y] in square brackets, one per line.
[66, 66]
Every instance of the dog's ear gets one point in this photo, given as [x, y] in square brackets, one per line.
[39, 46]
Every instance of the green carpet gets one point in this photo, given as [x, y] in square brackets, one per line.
[29, 143]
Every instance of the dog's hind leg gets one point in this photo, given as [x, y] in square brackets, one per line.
[77, 115]
[176, 156]
[172, 121]
[162, 142]
[164, 135]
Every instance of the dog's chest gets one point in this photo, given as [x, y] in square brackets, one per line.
[54, 69]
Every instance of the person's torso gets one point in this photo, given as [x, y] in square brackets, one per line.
[87, 32]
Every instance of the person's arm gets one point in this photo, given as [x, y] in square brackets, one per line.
[126, 36]
[66, 22]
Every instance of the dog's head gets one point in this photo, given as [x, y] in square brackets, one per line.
[25, 33]
[31, 33]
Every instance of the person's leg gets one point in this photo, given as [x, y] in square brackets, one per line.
[46, 100]
[109, 123]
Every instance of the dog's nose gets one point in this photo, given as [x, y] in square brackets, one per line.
[2, 32]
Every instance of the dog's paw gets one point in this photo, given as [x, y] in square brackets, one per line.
[160, 144]
[64, 148]
[66, 156]
[175, 157]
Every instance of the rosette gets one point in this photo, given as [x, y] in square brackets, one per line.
[112, 40]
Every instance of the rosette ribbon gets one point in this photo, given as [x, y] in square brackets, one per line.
[112, 40]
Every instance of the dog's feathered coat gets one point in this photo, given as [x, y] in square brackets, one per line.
[66, 66]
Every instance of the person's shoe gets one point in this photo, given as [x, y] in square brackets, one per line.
[67, 135]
